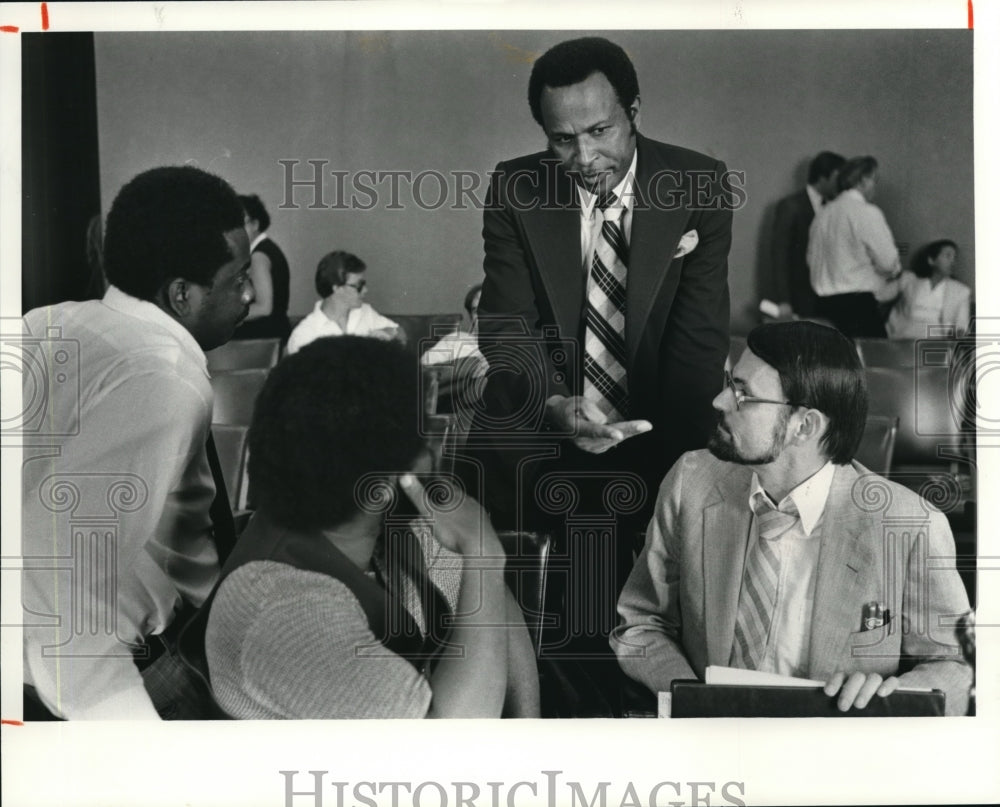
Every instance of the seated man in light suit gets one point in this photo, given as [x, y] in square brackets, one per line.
[787, 590]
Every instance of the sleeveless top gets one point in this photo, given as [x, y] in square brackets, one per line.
[275, 324]
[390, 622]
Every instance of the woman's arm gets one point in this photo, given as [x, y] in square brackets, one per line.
[263, 288]
[522, 698]
[471, 683]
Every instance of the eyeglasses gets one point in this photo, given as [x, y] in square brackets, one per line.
[741, 397]
[360, 286]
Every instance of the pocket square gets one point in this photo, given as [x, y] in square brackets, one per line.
[687, 243]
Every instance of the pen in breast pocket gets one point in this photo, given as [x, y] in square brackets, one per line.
[873, 615]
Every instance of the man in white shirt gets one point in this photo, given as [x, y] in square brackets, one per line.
[120, 526]
[341, 283]
[773, 551]
[787, 282]
[852, 256]
[461, 366]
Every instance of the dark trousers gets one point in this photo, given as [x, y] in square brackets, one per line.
[855, 315]
[596, 508]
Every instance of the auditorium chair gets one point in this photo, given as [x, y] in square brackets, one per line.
[934, 452]
[900, 352]
[878, 443]
[244, 354]
[235, 393]
[231, 446]
[525, 572]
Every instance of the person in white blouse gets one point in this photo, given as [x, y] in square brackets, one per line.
[341, 283]
[929, 297]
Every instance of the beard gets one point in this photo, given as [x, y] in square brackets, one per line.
[722, 446]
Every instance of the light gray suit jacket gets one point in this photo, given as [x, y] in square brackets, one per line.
[879, 542]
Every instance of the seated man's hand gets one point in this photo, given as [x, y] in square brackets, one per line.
[857, 688]
[587, 423]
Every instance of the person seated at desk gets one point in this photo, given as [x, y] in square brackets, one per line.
[458, 357]
[331, 607]
[341, 283]
[928, 295]
[765, 549]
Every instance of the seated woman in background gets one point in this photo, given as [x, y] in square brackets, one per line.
[462, 367]
[929, 296]
[341, 283]
[268, 317]
[332, 607]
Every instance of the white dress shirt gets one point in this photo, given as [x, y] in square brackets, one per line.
[591, 220]
[361, 321]
[787, 651]
[815, 198]
[850, 247]
[116, 526]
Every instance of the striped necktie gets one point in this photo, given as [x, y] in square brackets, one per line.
[604, 379]
[760, 584]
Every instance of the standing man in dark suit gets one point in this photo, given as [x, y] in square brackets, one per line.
[605, 321]
[787, 282]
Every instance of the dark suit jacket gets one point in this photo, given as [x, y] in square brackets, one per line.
[677, 310]
[788, 279]
[878, 542]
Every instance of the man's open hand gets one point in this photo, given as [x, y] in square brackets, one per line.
[591, 433]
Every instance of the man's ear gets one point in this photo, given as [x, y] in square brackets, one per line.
[813, 425]
[633, 111]
[177, 297]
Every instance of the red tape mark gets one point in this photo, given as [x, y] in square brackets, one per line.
[45, 17]
[9, 29]
[11, 722]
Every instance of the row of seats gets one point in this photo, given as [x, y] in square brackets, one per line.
[918, 407]
[881, 352]
[238, 370]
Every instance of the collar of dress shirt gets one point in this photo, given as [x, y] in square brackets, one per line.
[854, 193]
[149, 312]
[260, 237]
[623, 190]
[815, 197]
[809, 496]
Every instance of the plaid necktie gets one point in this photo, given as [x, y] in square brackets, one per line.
[604, 380]
[760, 584]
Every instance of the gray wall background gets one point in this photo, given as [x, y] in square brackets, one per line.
[763, 101]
